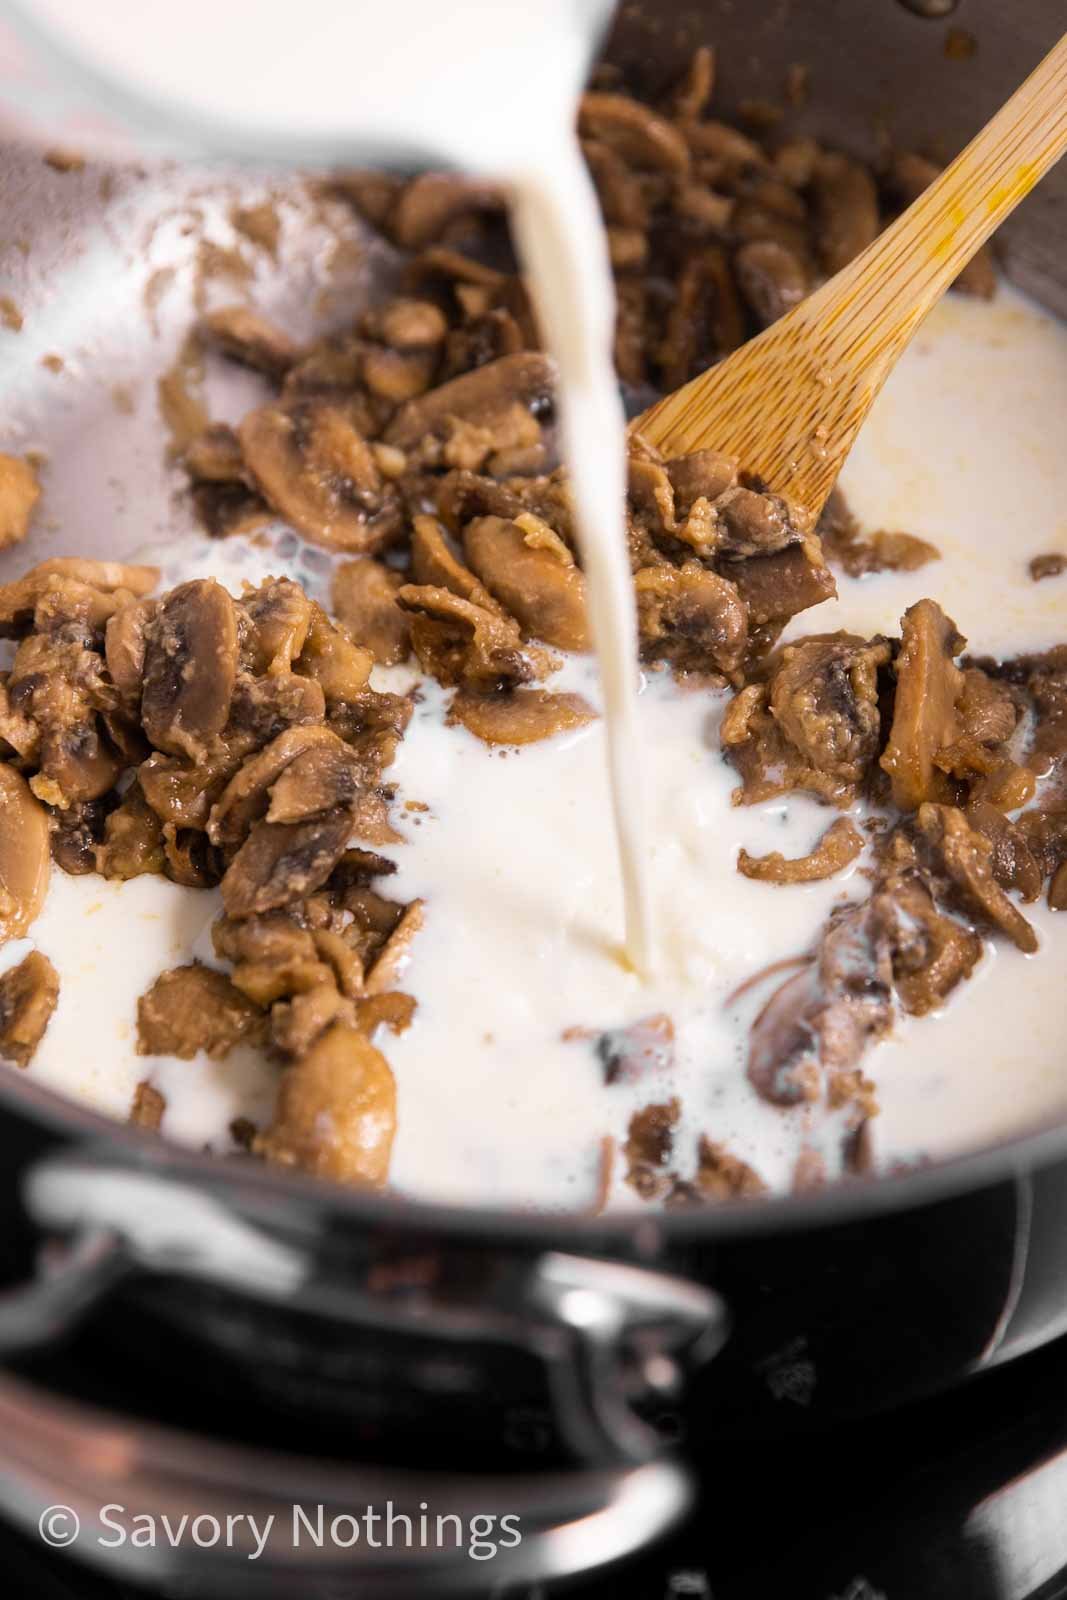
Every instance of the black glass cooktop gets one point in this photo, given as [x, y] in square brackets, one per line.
[961, 1498]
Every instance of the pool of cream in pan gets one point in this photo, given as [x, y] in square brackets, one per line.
[516, 860]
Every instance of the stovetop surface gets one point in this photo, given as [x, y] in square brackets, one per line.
[963, 1496]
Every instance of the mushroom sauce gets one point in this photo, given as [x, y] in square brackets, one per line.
[340, 893]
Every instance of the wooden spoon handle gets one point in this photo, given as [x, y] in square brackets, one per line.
[891, 286]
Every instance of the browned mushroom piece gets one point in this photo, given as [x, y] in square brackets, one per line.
[1013, 863]
[925, 711]
[247, 795]
[966, 856]
[19, 493]
[263, 707]
[633, 1053]
[846, 203]
[529, 569]
[329, 656]
[190, 667]
[434, 564]
[838, 848]
[373, 194]
[182, 794]
[755, 524]
[28, 996]
[779, 586]
[703, 474]
[364, 598]
[245, 336]
[1047, 566]
[124, 648]
[720, 1175]
[817, 1024]
[648, 1148]
[336, 1111]
[704, 319]
[320, 474]
[214, 456]
[485, 400]
[692, 618]
[392, 960]
[148, 1107]
[433, 203]
[25, 861]
[692, 96]
[406, 324]
[19, 600]
[463, 645]
[280, 614]
[133, 839]
[772, 278]
[190, 858]
[195, 1009]
[815, 725]
[931, 953]
[280, 862]
[523, 716]
[393, 1011]
[317, 780]
[634, 131]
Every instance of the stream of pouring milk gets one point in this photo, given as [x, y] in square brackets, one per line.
[490, 88]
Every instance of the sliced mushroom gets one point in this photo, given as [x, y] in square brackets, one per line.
[433, 202]
[847, 209]
[280, 613]
[393, 959]
[19, 493]
[182, 794]
[264, 707]
[704, 319]
[703, 474]
[406, 324]
[245, 336]
[777, 587]
[525, 716]
[247, 795]
[648, 1148]
[25, 862]
[214, 456]
[190, 668]
[195, 1009]
[925, 715]
[133, 839]
[771, 277]
[19, 600]
[319, 473]
[364, 598]
[479, 398]
[692, 618]
[720, 1175]
[641, 137]
[966, 856]
[434, 565]
[281, 862]
[317, 781]
[28, 996]
[148, 1106]
[336, 1111]
[533, 576]
[1012, 862]
[341, 668]
[462, 644]
[839, 846]
[124, 648]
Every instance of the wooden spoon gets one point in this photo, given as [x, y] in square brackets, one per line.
[790, 403]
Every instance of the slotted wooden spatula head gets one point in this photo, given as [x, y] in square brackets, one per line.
[790, 403]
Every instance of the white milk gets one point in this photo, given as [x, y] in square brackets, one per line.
[519, 871]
